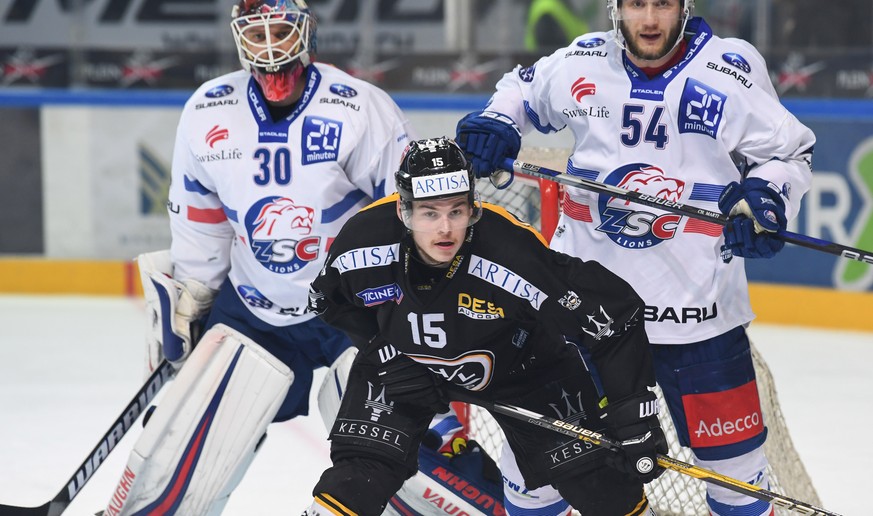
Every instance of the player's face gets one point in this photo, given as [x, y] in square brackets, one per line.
[650, 29]
[280, 39]
[439, 227]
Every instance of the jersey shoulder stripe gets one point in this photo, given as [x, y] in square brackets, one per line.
[502, 212]
[384, 200]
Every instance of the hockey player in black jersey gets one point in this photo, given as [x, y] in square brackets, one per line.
[444, 292]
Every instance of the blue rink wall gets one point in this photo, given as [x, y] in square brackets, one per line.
[81, 177]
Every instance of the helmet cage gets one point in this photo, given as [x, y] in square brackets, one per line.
[613, 7]
[254, 24]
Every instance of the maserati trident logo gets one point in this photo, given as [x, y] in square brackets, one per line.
[600, 328]
[572, 410]
[376, 402]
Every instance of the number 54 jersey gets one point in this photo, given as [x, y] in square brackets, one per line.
[682, 135]
[260, 200]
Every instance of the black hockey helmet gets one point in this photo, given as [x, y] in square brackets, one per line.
[432, 169]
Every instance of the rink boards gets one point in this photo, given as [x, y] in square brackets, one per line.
[85, 197]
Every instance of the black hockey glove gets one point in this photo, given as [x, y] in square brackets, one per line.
[634, 422]
[407, 381]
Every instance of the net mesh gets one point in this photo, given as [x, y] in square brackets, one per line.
[673, 494]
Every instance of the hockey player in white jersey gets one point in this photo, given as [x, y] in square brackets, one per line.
[663, 106]
[269, 162]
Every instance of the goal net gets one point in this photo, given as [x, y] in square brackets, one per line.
[537, 201]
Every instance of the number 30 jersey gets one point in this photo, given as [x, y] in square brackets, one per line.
[683, 135]
[260, 200]
[494, 315]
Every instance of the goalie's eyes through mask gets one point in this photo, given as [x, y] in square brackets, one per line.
[271, 41]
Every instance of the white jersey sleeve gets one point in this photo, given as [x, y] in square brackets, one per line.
[774, 142]
[259, 201]
[678, 136]
[384, 135]
[202, 236]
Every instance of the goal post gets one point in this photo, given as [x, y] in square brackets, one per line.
[538, 201]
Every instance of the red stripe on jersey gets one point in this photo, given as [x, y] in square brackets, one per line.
[727, 417]
[209, 216]
[703, 227]
[577, 211]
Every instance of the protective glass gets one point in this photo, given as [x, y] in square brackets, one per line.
[446, 215]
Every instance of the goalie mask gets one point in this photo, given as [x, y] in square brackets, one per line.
[431, 171]
[276, 42]
[613, 7]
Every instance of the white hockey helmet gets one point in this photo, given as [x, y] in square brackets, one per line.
[613, 7]
[275, 40]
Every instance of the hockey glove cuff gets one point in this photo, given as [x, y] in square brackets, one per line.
[407, 381]
[487, 137]
[757, 211]
[177, 310]
[634, 422]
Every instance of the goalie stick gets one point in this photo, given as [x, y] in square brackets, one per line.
[105, 445]
[664, 461]
[714, 217]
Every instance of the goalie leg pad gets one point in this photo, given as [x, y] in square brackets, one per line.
[333, 387]
[303, 347]
[202, 437]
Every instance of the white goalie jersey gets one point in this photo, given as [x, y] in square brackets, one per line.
[307, 173]
[682, 136]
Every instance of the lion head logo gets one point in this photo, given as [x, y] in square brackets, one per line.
[652, 180]
[282, 219]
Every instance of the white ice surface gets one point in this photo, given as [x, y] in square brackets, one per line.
[68, 365]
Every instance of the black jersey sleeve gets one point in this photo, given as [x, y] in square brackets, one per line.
[585, 301]
[331, 295]
[608, 320]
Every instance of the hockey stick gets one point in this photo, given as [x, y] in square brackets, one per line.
[714, 217]
[664, 461]
[105, 445]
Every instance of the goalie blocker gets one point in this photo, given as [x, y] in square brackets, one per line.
[202, 438]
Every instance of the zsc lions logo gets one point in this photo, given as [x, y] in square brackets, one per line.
[220, 91]
[279, 234]
[590, 42]
[631, 226]
[343, 91]
[737, 61]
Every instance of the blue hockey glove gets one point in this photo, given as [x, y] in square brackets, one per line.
[487, 138]
[634, 422]
[757, 211]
